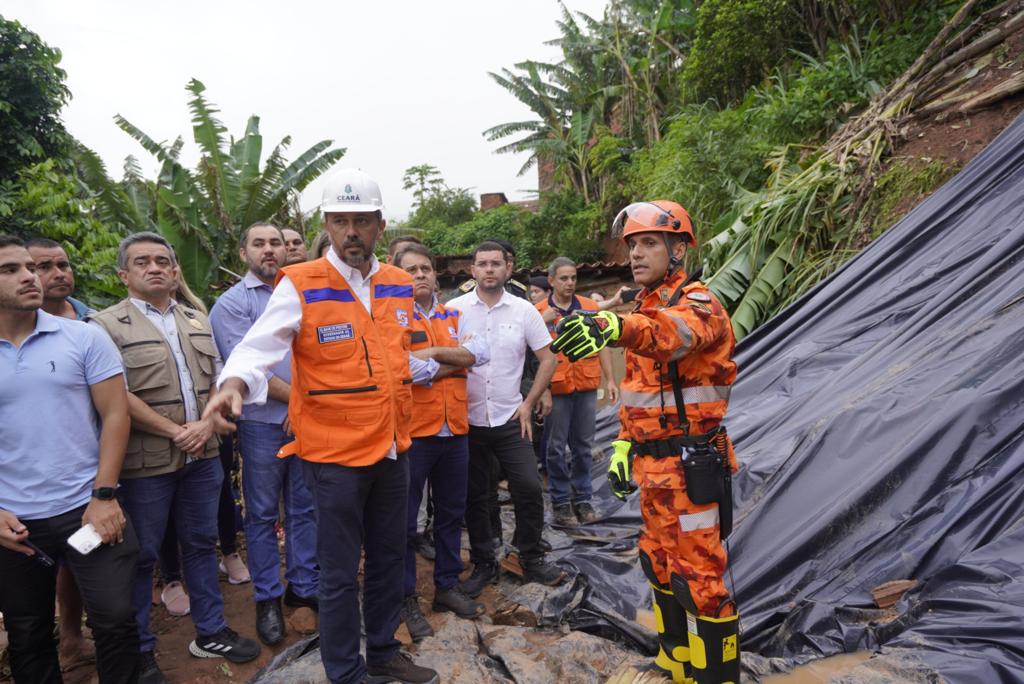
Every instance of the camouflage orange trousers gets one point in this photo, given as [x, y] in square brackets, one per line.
[678, 536]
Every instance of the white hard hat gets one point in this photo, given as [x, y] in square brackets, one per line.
[351, 190]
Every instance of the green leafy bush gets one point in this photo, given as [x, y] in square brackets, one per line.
[704, 159]
[736, 43]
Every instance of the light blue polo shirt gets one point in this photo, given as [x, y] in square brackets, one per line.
[49, 430]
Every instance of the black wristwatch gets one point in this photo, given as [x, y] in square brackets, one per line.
[103, 493]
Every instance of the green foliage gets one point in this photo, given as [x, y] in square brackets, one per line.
[424, 180]
[202, 211]
[565, 225]
[443, 208]
[903, 185]
[706, 157]
[735, 43]
[46, 201]
[32, 93]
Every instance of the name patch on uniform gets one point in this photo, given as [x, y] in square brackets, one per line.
[334, 333]
[699, 296]
[403, 317]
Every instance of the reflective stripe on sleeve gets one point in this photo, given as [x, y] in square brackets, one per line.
[685, 334]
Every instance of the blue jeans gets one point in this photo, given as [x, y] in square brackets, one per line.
[445, 461]
[359, 507]
[265, 478]
[571, 422]
[192, 493]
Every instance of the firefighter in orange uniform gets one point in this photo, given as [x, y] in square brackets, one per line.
[679, 345]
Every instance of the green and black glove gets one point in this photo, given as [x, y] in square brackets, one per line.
[620, 470]
[583, 334]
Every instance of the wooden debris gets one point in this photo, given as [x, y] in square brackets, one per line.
[511, 564]
[888, 594]
[1010, 86]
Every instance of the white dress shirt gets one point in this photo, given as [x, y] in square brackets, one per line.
[509, 327]
[269, 340]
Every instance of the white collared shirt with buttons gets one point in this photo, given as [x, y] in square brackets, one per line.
[509, 327]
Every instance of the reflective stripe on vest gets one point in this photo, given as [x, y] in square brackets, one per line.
[691, 395]
[350, 396]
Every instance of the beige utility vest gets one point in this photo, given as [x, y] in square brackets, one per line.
[152, 375]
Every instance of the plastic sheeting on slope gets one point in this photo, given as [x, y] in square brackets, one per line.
[879, 422]
[879, 425]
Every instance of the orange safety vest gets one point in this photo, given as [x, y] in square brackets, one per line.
[445, 400]
[350, 392]
[585, 374]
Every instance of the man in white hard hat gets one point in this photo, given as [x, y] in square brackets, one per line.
[345, 319]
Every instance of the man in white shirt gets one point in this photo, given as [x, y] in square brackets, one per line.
[345, 319]
[500, 419]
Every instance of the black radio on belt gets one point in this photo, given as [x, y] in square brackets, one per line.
[703, 467]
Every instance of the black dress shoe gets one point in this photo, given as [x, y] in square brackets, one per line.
[539, 570]
[269, 621]
[456, 601]
[484, 573]
[150, 673]
[414, 620]
[295, 601]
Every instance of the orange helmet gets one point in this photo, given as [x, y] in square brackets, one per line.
[662, 216]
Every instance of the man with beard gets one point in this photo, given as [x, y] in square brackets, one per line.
[294, 245]
[58, 278]
[261, 433]
[346, 321]
[501, 419]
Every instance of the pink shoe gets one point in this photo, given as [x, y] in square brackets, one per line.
[234, 567]
[175, 599]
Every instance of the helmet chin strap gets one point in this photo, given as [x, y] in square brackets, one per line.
[674, 263]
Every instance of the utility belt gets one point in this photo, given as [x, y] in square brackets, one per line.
[706, 468]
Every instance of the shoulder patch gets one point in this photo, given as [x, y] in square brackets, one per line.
[699, 296]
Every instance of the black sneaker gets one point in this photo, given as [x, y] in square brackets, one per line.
[150, 672]
[456, 601]
[417, 625]
[400, 669]
[225, 644]
[483, 574]
[295, 601]
[586, 513]
[541, 571]
[563, 516]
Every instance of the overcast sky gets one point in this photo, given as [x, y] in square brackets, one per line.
[397, 83]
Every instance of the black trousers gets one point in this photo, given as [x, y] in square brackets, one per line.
[516, 457]
[359, 508]
[105, 578]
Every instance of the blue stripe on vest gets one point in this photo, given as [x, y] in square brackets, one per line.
[327, 294]
[382, 291]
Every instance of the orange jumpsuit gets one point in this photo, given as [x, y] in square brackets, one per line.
[678, 537]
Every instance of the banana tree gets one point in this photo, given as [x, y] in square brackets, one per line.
[202, 211]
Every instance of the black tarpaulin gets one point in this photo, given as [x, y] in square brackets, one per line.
[879, 425]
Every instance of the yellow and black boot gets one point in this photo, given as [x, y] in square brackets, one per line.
[714, 641]
[670, 620]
